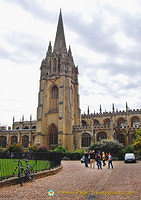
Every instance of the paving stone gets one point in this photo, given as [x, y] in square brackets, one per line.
[76, 182]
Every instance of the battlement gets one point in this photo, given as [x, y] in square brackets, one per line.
[90, 127]
[108, 114]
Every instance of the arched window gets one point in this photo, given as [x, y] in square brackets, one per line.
[25, 141]
[26, 127]
[86, 140]
[135, 122]
[13, 139]
[54, 98]
[101, 135]
[121, 123]
[2, 141]
[33, 127]
[121, 138]
[17, 128]
[107, 121]
[53, 135]
[96, 122]
[84, 123]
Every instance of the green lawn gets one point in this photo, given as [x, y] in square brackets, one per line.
[8, 167]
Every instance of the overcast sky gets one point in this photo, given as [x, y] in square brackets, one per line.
[105, 38]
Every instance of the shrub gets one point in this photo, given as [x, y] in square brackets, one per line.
[108, 145]
[33, 148]
[42, 148]
[73, 155]
[82, 151]
[15, 148]
[60, 149]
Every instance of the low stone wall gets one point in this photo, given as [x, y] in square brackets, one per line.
[15, 180]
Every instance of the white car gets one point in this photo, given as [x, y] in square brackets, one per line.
[129, 157]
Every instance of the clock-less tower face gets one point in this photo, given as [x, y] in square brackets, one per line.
[58, 100]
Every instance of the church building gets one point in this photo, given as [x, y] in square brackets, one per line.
[59, 119]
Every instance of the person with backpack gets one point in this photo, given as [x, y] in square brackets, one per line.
[110, 161]
[98, 159]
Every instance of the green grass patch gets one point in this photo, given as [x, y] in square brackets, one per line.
[8, 167]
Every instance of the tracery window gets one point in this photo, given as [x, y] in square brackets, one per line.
[121, 123]
[101, 135]
[96, 122]
[13, 139]
[86, 140]
[135, 122]
[84, 123]
[2, 141]
[25, 141]
[54, 98]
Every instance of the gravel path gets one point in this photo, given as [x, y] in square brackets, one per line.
[78, 183]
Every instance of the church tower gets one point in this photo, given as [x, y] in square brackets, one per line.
[58, 100]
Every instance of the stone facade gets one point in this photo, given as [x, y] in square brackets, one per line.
[59, 120]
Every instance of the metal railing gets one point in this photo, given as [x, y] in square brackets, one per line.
[40, 161]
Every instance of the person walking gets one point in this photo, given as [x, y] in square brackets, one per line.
[98, 159]
[86, 158]
[92, 159]
[110, 161]
[104, 158]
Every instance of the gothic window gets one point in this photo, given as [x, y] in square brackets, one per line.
[135, 122]
[121, 138]
[14, 139]
[54, 64]
[101, 136]
[26, 127]
[84, 123]
[86, 140]
[2, 141]
[121, 123]
[96, 122]
[54, 98]
[25, 141]
[53, 135]
[107, 121]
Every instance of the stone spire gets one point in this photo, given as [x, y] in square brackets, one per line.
[60, 43]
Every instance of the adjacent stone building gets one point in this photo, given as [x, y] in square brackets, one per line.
[59, 119]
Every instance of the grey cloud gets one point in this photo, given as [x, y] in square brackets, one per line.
[22, 44]
[34, 7]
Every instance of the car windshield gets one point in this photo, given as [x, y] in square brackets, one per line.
[129, 155]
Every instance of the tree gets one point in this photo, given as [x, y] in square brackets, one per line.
[108, 145]
[137, 142]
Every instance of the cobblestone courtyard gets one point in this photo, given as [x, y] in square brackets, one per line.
[77, 182]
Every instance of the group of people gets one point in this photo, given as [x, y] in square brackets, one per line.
[98, 157]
